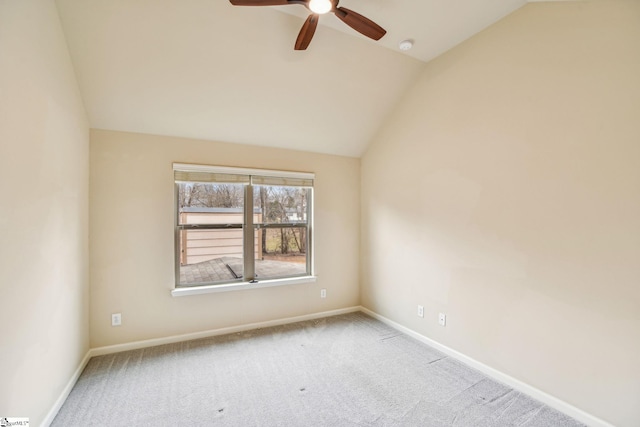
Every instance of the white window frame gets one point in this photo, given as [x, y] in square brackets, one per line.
[248, 233]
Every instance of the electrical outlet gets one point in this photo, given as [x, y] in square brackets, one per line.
[116, 319]
[442, 319]
[420, 311]
[323, 293]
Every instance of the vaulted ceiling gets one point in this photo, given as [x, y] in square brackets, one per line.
[206, 69]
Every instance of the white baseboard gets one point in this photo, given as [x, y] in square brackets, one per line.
[65, 392]
[99, 351]
[516, 384]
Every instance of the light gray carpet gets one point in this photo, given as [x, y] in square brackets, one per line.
[348, 370]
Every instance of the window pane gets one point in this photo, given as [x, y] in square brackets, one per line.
[205, 203]
[282, 252]
[208, 256]
[281, 205]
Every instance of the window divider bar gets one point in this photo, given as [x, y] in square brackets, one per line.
[209, 226]
[282, 225]
[248, 235]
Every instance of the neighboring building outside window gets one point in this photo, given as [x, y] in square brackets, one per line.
[241, 225]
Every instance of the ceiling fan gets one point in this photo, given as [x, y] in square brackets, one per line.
[356, 21]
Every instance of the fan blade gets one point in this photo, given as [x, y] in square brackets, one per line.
[306, 32]
[259, 2]
[359, 23]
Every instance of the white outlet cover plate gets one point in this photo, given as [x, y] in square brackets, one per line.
[442, 319]
[116, 319]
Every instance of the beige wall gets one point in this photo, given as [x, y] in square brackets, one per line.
[44, 159]
[505, 192]
[132, 259]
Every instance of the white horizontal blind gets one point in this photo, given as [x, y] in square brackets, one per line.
[196, 176]
[222, 174]
[282, 181]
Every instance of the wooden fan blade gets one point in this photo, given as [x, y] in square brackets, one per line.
[259, 2]
[359, 23]
[306, 32]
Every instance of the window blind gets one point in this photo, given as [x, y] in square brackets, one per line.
[222, 174]
[199, 176]
[282, 181]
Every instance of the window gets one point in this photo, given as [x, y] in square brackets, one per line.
[241, 225]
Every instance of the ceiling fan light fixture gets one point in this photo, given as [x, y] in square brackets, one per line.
[320, 6]
[361, 24]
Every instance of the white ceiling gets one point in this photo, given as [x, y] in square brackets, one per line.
[434, 25]
[207, 69]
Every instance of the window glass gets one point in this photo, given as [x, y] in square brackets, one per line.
[213, 226]
[211, 243]
[283, 250]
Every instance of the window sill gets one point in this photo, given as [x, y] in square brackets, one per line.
[208, 289]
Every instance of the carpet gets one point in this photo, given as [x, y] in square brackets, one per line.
[347, 370]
